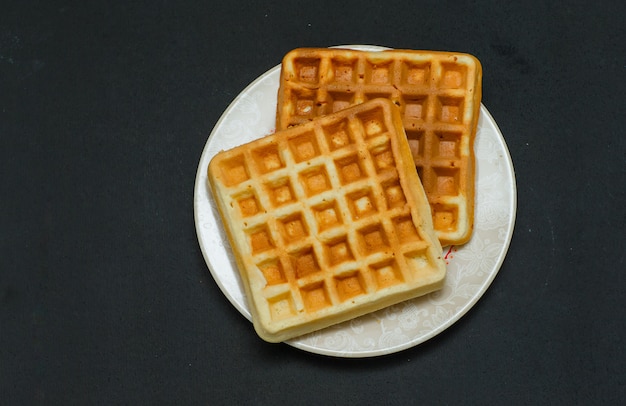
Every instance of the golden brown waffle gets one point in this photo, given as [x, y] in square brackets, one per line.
[439, 95]
[327, 221]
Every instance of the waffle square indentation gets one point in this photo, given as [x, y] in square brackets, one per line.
[315, 180]
[304, 147]
[327, 215]
[453, 76]
[338, 251]
[394, 195]
[303, 102]
[405, 229]
[361, 204]
[376, 95]
[444, 217]
[373, 239]
[315, 296]
[417, 142]
[383, 157]
[307, 69]
[415, 108]
[304, 262]
[293, 228]
[273, 272]
[387, 273]
[419, 263]
[450, 109]
[344, 71]
[349, 169]
[267, 158]
[305, 107]
[373, 122]
[340, 100]
[378, 73]
[248, 204]
[280, 192]
[447, 181]
[260, 239]
[349, 285]
[282, 307]
[338, 135]
[415, 74]
[448, 145]
[234, 170]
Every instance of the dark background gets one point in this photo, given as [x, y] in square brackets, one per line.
[105, 298]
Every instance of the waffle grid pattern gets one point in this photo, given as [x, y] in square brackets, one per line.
[438, 95]
[321, 212]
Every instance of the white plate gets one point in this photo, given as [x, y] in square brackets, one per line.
[471, 267]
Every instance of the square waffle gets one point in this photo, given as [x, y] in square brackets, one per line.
[439, 96]
[327, 220]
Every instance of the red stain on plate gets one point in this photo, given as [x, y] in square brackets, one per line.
[449, 255]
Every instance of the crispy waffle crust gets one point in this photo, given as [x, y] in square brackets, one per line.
[439, 96]
[327, 220]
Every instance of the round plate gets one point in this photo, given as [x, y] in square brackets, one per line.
[471, 267]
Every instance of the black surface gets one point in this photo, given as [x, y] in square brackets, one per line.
[105, 297]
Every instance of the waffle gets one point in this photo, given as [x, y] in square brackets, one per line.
[327, 220]
[439, 95]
